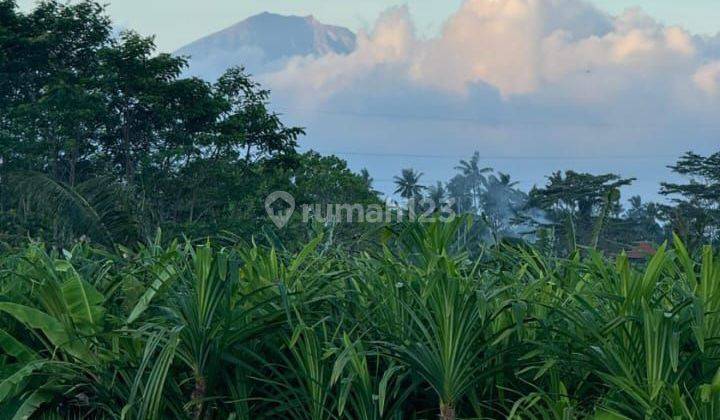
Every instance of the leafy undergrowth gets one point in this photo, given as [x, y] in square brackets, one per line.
[416, 329]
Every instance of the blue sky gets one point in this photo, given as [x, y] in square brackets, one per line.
[177, 22]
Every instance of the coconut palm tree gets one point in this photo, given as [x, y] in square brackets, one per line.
[475, 175]
[437, 194]
[460, 193]
[368, 180]
[501, 202]
[408, 184]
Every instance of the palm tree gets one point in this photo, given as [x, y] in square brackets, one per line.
[504, 179]
[437, 194]
[365, 174]
[472, 171]
[501, 202]
[460, 193]
[101, 209]
[368, 180]
[408, 184]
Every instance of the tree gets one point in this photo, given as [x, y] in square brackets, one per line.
[437, 194]
[501, 202]
[641, 222]
[408, 184]
[137, 83]
[576, 201]
[368, 180]
[696, 214]
[51, 104]
[214, 166]
[328, 180]
[78, 105]
[245, 121]
[474, 176]
[460, 191]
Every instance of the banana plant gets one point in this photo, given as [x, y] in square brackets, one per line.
[58, 331]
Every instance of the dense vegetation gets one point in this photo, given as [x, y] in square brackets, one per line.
[102, 138]
[141, 278]
[414, 329]
[580, 209]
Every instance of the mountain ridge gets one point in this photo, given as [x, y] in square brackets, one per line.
[264, 42]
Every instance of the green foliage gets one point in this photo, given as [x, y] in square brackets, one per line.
[102, 139]
[102, 143]
[696, 214]
[417, 327]
[408, 184]
[583, 202]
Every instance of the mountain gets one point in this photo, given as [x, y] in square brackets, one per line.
[264, 43]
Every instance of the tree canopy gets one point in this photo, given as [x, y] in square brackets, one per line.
[97, 130]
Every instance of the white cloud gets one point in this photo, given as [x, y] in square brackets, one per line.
[516, 46]
[516, 77]
[313, 79]
[707, 78]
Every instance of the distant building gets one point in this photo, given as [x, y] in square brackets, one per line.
[641, 251]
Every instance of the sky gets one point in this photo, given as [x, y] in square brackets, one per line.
[536, 86]
[178, 22]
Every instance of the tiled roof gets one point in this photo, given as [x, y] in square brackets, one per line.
[641, 251]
